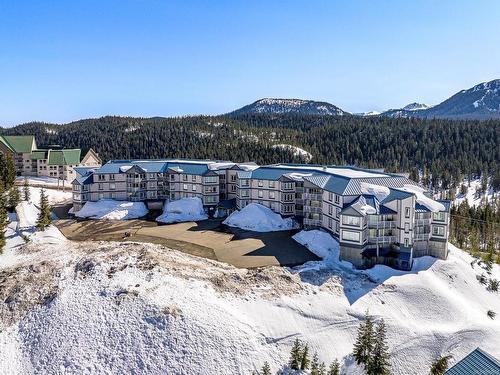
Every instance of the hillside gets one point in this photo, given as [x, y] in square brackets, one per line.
[296, 106]
[129, 308]
[445, 148]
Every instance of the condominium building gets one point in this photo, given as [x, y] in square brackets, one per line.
[48, 162]
[377, 217]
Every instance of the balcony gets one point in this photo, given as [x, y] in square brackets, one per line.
[422, 222]
[312, 222]
[382, 239]
[313, 209]
[312, 196]
[421, 236]
[383, 224]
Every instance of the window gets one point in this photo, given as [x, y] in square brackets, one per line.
[407, 227]
[287, 185]
[330, 222]
[185, 186]
[194, 187]
[172, 177]
[260, 194]
[407, 212]
[438, 216]
[330, 210]
[100, 177]
[337, 212]
[350, 220]
[348, 235]
[272, 195]
[101, 187]
[112, 177]
[112, 186]
[184, 177]
[244, 193]
[337, 199]
[438, 231]
[406, 242]
[210, 179]
[271, 184]
[330, 197]
[193, 178]
[245, 183]
[210, 189]
[113, 195]
[233, 178]
[101, 195]
[260, 183]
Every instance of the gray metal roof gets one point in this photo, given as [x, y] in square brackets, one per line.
[354, 186]
[478, 362]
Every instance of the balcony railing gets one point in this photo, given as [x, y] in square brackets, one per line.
[422, 222]
[382, 224]
[313, 209]
[312, 196]
[421, 236]
[312, 223]
[382, 239]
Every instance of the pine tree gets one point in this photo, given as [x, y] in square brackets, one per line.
[334, 368]
[14, 197]
[26, 190]
[44, 219]
[266, 369]
[379, 358]
[295, 355]
[7, 171]
[304, 361]
[364, 341]
[440, 365]
[315, 365]
[3, 218]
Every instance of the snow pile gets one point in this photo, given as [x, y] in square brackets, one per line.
[320, 243]
[109, 209]
[422, 199]
[185, 209]
[366, 209]
[380, 192]
[27, 214]
[258, 218]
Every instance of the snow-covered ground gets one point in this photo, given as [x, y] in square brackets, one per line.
[185, 209]
[473, 197]
[43, 181]
[257, 218]
[109, 209]
[140, 308]
[295, 150]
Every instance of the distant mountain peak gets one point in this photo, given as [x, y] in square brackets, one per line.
[300, 106]
[414, 106]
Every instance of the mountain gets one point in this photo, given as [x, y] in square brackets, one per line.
[480, 102]
[299, 106]
[367, 114]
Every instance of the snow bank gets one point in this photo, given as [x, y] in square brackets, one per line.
[27, 214]
[319, 243]
[185, 209]
[380, 192]
[422, 199]
[258, 218]
[108, 209]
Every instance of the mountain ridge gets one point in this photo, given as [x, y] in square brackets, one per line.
[285, 105]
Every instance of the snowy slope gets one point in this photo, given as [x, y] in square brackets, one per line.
[139, 308]
[280, 106]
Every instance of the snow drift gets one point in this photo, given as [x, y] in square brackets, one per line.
[108, 209]
[185, 209]
[258, 218]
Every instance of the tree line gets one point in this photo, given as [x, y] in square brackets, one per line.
[445, 150]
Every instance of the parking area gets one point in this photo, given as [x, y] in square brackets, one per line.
[210, 239]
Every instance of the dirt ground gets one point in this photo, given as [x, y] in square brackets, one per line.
[209, 239]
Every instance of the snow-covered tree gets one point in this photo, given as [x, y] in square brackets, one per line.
[266, 369]
[334, 368]
[304, 361]
[295, 355]
[26, 190]
[315, 364]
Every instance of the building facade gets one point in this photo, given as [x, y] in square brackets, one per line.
[377, 217]
[49, 162]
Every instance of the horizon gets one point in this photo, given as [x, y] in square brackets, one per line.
[173, 59]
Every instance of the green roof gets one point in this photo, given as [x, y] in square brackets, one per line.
[64, 157]
[18, 143]
[39, 154]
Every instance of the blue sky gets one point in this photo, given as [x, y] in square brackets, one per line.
[65, 60]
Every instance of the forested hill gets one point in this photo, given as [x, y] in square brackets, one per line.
[446, 148]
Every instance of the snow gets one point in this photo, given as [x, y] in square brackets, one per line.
[473, 196]
[380, 192]
[142, 309]
[422, 199]
[125, 168]
[258, 218]
[298, 176]
[185, 209]
[345, 172]
[296, 151]
[109, 209]
[42, 181]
